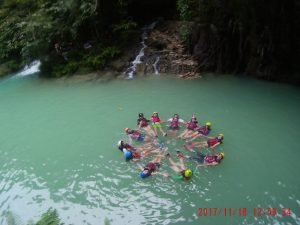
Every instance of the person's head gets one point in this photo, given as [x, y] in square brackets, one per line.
[187, 174]
[141, 115]
[220, 156]
[145, 173]
[220, 136]
[194, 118]
[208, 124]
[176, 116]
[155, 114]
[120, 143]
[127, 130]
[128, 155]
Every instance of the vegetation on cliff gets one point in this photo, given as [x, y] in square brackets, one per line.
[259, 38]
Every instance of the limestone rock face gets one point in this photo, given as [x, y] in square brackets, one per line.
[165, 46]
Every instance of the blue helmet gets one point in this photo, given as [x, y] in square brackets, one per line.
[144, 175]
[128, 155]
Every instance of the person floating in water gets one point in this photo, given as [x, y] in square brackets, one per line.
[191, 126]
[156, 124]
[201, 131]
[212, 142]
[128, 151]
[143, 123]
[152, 167]
[207, 160]
[179, 167]
[137, 135]
[174, 123]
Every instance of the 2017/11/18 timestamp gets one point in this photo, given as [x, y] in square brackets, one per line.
[257, 212]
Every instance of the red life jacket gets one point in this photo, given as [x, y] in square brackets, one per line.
[143, 122]
[136, 155]
[135, 134]
[151, 167]
[155, 119]
[192, 125]
[210, 159]
[174, 122]
[203, 130]
[128, 147]
[212, 142]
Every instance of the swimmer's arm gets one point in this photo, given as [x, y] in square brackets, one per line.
[195, 135]
[129, 139]
[140, 166]
[181, 121]
[160, 173]
[215, 145]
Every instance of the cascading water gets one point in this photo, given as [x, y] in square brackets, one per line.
[32, 68]
[155, 65]
[132, 69]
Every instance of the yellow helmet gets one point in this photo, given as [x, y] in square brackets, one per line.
[188, 173]
[222, 154]
[154, 113]
[208, 124]
[222, 135]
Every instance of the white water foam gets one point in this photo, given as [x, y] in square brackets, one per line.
[32, 68]
[155, 66]
[132, 69]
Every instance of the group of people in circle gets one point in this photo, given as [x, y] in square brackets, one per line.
[147, 133]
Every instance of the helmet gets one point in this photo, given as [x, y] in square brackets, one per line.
[222, 154]
[222, 135]
[127, 129]
[141, 115]
[188, 173]
[120, 143]
[208, 124]
[154, 113]
[143, 174]
[128, 155]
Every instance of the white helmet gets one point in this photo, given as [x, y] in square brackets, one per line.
[120, 143]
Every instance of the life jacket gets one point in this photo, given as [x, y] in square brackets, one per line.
[210, 159]
[143, 122]
[174, 123]
[203, 130]
[135, 134]
[136, 155]
[128, 147]
[192, 125]
[151, 167]
[212, 142]
[155, 119]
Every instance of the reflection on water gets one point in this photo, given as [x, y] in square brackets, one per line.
[57, 147]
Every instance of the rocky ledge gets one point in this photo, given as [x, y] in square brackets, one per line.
[164, 42]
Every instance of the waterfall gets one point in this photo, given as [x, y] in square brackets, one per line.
[155, 66]
[32, 68]
[132, 69]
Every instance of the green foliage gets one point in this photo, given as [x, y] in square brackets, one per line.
[184, 10]
[98, 60]
[50, 218]
[65, 69]
[30, 29]
[125, 25]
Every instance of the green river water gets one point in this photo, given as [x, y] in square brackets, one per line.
[58, 149]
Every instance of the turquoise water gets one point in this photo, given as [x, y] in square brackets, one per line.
[58, 149]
